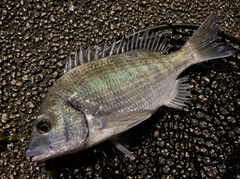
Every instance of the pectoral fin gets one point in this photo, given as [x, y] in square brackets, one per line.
[121, 117]
[123, 120]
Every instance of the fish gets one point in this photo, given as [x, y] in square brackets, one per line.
[107, 90]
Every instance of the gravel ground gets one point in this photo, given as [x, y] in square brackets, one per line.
[36, 38]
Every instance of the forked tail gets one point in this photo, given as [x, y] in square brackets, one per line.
[204, 44]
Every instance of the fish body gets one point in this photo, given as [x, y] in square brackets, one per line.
[100, 99]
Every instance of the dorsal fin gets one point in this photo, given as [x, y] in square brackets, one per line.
[139, 40]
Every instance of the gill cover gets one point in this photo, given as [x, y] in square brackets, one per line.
[58, 131]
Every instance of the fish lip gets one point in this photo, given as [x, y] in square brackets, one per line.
[36, 154]
[33, 152]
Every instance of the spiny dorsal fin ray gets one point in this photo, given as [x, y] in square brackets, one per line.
[148, 41]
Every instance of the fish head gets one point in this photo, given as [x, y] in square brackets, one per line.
[57, 131]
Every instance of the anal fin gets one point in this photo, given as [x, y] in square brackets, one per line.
[180, 95]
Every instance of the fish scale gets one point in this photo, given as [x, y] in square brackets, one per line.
[110, 89]
[138, 73]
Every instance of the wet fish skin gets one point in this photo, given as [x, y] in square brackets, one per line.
[98, 100]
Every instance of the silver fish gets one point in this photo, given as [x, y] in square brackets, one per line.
[111, 89]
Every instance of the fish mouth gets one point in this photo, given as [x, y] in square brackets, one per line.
[38, 154]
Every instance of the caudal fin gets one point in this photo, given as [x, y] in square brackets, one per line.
[204, 42]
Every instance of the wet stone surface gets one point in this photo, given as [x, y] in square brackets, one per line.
[37, 36]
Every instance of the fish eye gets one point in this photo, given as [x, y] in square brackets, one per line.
[43, 126]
